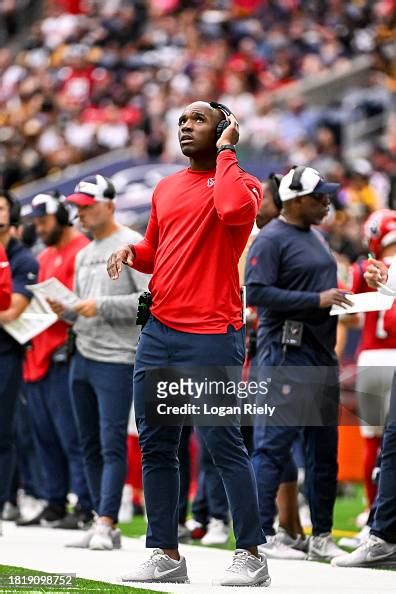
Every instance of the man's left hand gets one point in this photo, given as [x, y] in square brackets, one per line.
[86, 308]
[230, 134]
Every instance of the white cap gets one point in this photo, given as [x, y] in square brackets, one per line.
[302, 181]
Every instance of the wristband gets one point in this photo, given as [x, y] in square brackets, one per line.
[226, 147]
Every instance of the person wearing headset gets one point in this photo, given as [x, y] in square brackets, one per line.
[378, 550]
[46, 376]
[101, 376]
[291, 276]
[23, 272]
[200, 221]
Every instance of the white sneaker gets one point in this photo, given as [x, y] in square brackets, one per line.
[125, 513]
[323, 548]
[105, 538]
[276, 547]
[362, 518]
[218, 533]
[374, 552]
[246, 570]
[355, 541]
[195, 528]
[10, 512]
[159, 568]
[1, 528]
[84, 542]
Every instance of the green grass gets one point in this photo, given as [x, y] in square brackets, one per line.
[347, 508]
[80, 585]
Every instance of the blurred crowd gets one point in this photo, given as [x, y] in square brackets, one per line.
[91, 76]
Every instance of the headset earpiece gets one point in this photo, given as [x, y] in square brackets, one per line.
[296, 179]
[275, 180]
[62, 213]
[223, 124]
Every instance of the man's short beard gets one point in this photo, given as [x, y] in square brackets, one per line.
[55, 235]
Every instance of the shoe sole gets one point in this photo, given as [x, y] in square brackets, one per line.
[264, 583]
[181, 580]
[384, 564]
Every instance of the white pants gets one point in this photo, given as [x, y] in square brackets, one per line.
[375, 369]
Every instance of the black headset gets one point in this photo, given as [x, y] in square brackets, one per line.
[223, 124]
[62, 213]
[274, 180]
[295, 183]
[14, 206]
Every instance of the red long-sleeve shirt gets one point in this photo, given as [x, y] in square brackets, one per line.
[5, 280]
[199, 224]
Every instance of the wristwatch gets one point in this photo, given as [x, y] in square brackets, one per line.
[226, 147]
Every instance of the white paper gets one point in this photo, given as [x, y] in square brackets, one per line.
[385, 290]
[362, 302]
[37, 317]
[54, 289]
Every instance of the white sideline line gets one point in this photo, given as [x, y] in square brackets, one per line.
[43, 549]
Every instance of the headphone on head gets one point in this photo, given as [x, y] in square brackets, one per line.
[223, 124]
[14, 206]
[62, 214]
[295, 183]
[274, 180]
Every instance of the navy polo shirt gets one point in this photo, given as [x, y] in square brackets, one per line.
[286, 269]
[24, 270]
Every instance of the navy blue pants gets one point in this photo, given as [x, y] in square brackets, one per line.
[384, 524]
[160, 346]
[102, 398]
[55, 437]
[10, 381]
[272, 452]
[211, 499]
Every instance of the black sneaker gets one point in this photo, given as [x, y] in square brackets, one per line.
[78, 519]
[50, 516]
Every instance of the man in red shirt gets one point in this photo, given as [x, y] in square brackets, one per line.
[200, 221]
[46, 374]
[5, 280]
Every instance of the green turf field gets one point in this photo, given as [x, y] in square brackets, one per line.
[80, 584]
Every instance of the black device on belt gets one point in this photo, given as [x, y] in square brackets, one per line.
[143, 309]
[292, 332]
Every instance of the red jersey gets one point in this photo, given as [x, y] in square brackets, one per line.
[58, 263]
[5, 280]
[379, 328]
[199, 224]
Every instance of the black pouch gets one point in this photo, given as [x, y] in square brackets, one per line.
[292, 333]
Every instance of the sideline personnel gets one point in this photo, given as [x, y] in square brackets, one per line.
[24, 272]
[46, 375]
[200, 221]
[291, 276]
[102, 368]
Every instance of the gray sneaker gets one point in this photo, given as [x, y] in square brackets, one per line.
[246, 570]
[374, 552]
[323, 548]
[280, 546]
[105, 538]
[159, 568]
[85, 541]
